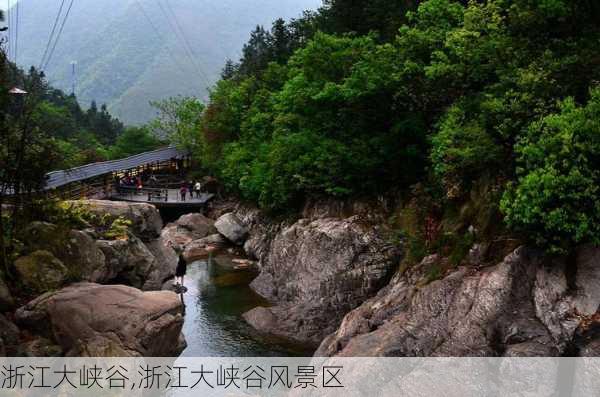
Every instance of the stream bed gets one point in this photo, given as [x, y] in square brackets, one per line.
[216, 298]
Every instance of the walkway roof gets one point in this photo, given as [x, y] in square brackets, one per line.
[61, 178]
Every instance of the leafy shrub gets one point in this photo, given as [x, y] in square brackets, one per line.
[119, 229]
[556, 199]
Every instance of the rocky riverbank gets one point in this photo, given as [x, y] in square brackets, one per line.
[64, 301]
[332, 276]
[334, 280]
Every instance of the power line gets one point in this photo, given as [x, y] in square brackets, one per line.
[16, 46]
[51, 37]
[155, 30]
[64, 21]
[185, 49]
[186, 41]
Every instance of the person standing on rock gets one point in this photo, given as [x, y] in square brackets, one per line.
[198, 189]
[181, 270]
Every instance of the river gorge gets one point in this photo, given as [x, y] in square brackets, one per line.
[327, 282]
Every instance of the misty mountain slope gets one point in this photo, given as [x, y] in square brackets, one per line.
[126, 61]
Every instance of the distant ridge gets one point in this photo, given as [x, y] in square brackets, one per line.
[124, 62]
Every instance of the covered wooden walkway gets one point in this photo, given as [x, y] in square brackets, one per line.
[104, 180]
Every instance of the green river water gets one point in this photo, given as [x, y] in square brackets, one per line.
[217, 297]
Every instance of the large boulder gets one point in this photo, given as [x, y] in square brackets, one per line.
[41, 271]
[199, 248]
[146, 221]
[520, 307]
[142, 265]
[6, 300]
[77, 250]
[186, 229]
[9, 332]
[230, 226]
[88, 319]
[316, 272]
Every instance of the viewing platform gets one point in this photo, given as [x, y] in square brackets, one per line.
[161, 198]
[161, 171]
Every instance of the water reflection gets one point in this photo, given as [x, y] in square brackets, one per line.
[216, 298]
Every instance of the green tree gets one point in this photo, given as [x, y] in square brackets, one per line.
[556, 198]
[134, 140]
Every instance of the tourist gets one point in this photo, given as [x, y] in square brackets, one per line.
[197, 189]
[191, 189]
[183, 191]
[181, 270]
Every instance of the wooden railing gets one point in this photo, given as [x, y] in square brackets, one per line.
[153, 194]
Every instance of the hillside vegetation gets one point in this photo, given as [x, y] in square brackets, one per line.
[451, 99]
[126, 61]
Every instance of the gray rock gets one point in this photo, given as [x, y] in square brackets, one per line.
[230, 226]
[75, 249]
[40, 347]
[41, 271]
[199, 225]
[164, 266]
[186, 229]
[6, 300]
[145, 218]
[316, 272]
[516, 308]
[108, 321]
[198, 249]
[587, 298]
[142, 265]
[9, 332]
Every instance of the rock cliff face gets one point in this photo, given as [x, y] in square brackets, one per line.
[108, 321]
[315, 271]
[527, 305]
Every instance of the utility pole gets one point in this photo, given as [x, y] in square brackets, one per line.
[73, 76]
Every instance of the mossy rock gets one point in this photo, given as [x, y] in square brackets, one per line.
[6, 300]
[41, 271]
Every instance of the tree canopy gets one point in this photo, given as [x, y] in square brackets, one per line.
[367, 96]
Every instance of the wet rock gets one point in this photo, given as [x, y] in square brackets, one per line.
[142, 265]
[88, 319]
[316, 272]
[517, 308]
[41, 271]
[6, 300]
[146, 221]
[186, 229]
[230, 226]
[200, 248]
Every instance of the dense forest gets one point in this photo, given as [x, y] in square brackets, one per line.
[488, 110]
[484, 113]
